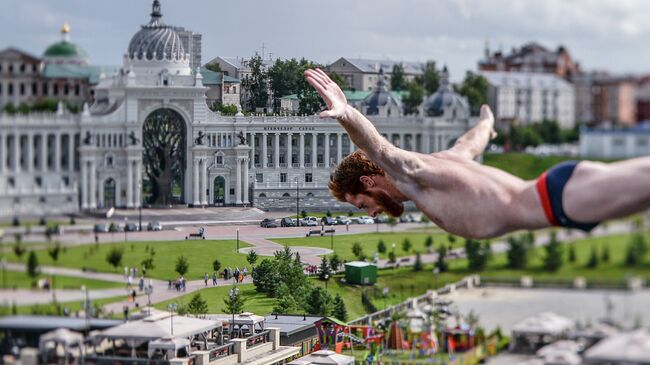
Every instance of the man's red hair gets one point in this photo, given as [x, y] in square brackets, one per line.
[346, 177]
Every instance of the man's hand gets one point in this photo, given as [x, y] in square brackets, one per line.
[486, 115]
[330, 92]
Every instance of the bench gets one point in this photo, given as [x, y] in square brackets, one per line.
[313, 232]
[330, 231]
[195, 235]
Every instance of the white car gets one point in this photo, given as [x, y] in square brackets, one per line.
[364, 219]
[310, 221]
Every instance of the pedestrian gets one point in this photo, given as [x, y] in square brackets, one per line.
[214, 278]
[141, 284]
[125, 310]
[205, 278]
[129, 281]
[96, 239]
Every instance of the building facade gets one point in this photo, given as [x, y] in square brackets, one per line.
[615, 143]
[531, 57]
[526, 97]
[363, 74]
[150, 139]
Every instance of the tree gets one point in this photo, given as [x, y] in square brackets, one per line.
[339, 310]
[441, 264]
[430, 77]
[418, 262]
[593, 259]
[19, 249]
[182, 265]
[33, 269]
[428, 243]
[255, 85]
[391, 257]
[235, 303]
[284, 79]
[285, 302]
[215, 67]
[324, 269]
[605, 256]
[319, 302]
[114, 257]
[216, 265]
[309, 101]
[636, 250]
[265, 277]
[518, 251]
[197, 305]
[397, 80]
[475, 88]
[413, 98]
[251, 257]
[406, 245]
[335, 263]
[148, 263]
[381, 247]
[553, 259]
[451, 238]
[572, 253]
[357, 250]
[477, 253]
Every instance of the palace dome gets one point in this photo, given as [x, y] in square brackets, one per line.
[156, 40]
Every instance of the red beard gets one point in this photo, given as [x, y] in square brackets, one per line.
[387, 202]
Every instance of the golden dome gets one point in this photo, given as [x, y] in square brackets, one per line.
[65, 29]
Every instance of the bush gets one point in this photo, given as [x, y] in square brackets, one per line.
[367, 303]
[418, 262]
[636, 250]
[593, 260]
[182, 266]
[357, 250]
[477, 253]
[114, 257]
[441, 264]
[197, 305]
[553, 259]
[406, 245]
[381, 247]
[216, 265]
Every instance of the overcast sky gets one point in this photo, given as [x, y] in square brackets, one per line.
[611, 35]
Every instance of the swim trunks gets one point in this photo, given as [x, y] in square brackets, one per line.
[550, 186]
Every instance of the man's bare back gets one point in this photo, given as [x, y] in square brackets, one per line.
[472, 200]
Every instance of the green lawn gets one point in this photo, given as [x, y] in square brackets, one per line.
[255, 302]
[20, 280]
[343, 243]
[73, 306]
[524, 165]
[199, 254]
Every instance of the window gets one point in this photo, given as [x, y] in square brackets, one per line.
[308, 177]
[10, 89]
[283, 177]
[232, 191]
[618, 142]
[45, 89]
[77, 89]
[219, 160]
[310, 195]
[22, 68]
[38, 181]
[56, 89]
[286, 195]
[22, 89]
[109, 161]
[66, 180]
[259, 178]
[66, 89]
[11, 182]
[262, 195]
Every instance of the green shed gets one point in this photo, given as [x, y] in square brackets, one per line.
[359, 272]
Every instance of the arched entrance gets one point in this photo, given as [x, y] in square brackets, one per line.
[219, 191]
[163, 139]
[109, 193]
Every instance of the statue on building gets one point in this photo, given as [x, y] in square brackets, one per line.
[88, 140]
[134, 140]
[198, 141]
[242, 139]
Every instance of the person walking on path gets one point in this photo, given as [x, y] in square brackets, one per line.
[214, 278]
[205, 278]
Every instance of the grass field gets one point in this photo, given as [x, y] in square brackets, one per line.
[255, 302]
[368, 241]
[20, 280]
[199, 254]
[524, 165]
[74, 306]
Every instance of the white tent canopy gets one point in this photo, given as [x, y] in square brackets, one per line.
[324, 357]
[544, 323]
[173, 344]
[630, 347]
[62, 336]
[559, 346]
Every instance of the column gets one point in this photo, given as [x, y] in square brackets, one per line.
[314, 149]
[326, 159]
[289, 151]
[264, 151]
[57, 152]
[93, 185]
[44, 152]
[352, 146]
[195, 182]
[129, 183]
[17, 152]
[3, 152]
[84, 184]
[71, 152]
[339, 147]
[426, 148]
[204, 181]
[138, 183]
[276, 151]
[301, 157]
[246, 201]
[238, 184]
[30, 152]
[252, 154]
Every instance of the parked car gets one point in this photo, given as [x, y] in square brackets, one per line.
[381, 218]
[115, 227]
[328, 221]
[269, 223]
[287, 222]
[131, 227]
[342, 220]
[406, 218]
[364, 219]
[101, 228]
[154, 226]
[310, 221]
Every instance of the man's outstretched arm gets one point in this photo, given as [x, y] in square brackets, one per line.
[396, 162]
[473, 143]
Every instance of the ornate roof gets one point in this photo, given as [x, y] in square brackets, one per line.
[445, 97]
[380, 98]
[156, 40]
[66, 50]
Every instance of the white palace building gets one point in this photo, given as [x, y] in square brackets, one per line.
[150, 139]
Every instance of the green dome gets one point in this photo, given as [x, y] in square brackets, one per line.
[65, 49]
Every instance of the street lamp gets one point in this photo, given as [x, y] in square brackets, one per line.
[86, 305]
[126, 221]
[234, 293]
[148, 290]
[297, 203]
[172, 307]
[237, 240]
[140, 206]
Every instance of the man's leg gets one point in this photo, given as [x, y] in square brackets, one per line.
[598, 191]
